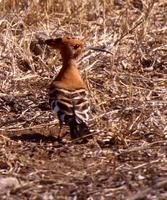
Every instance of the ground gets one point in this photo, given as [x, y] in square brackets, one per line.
[127, 157]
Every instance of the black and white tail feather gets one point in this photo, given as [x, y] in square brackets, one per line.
[72, 108]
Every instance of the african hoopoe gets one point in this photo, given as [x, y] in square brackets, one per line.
[68, 92]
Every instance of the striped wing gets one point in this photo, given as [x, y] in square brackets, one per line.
[70, 105]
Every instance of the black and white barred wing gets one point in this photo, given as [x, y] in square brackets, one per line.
[70, 105]
[61, 104]
[81, 105]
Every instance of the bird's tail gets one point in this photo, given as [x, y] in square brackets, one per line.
[79, 129]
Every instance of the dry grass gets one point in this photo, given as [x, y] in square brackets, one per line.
[128, 93]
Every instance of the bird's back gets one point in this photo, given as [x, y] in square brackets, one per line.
[72, 108]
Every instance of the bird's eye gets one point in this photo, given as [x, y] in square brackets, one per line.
[76, 46]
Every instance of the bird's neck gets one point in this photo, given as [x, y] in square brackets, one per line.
[69, 76]
[69, 63]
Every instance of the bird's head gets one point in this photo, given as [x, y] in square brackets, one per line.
[70, 48]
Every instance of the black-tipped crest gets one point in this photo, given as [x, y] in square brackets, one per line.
[53, 42]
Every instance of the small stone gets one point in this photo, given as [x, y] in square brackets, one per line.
[8, 183]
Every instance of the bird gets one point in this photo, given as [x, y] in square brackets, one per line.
[68, 94]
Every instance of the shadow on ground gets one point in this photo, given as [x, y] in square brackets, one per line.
[36, 137]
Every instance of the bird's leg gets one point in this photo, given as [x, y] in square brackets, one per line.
[63, 134]
[59, 134]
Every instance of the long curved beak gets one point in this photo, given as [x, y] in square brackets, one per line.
[98, 49]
